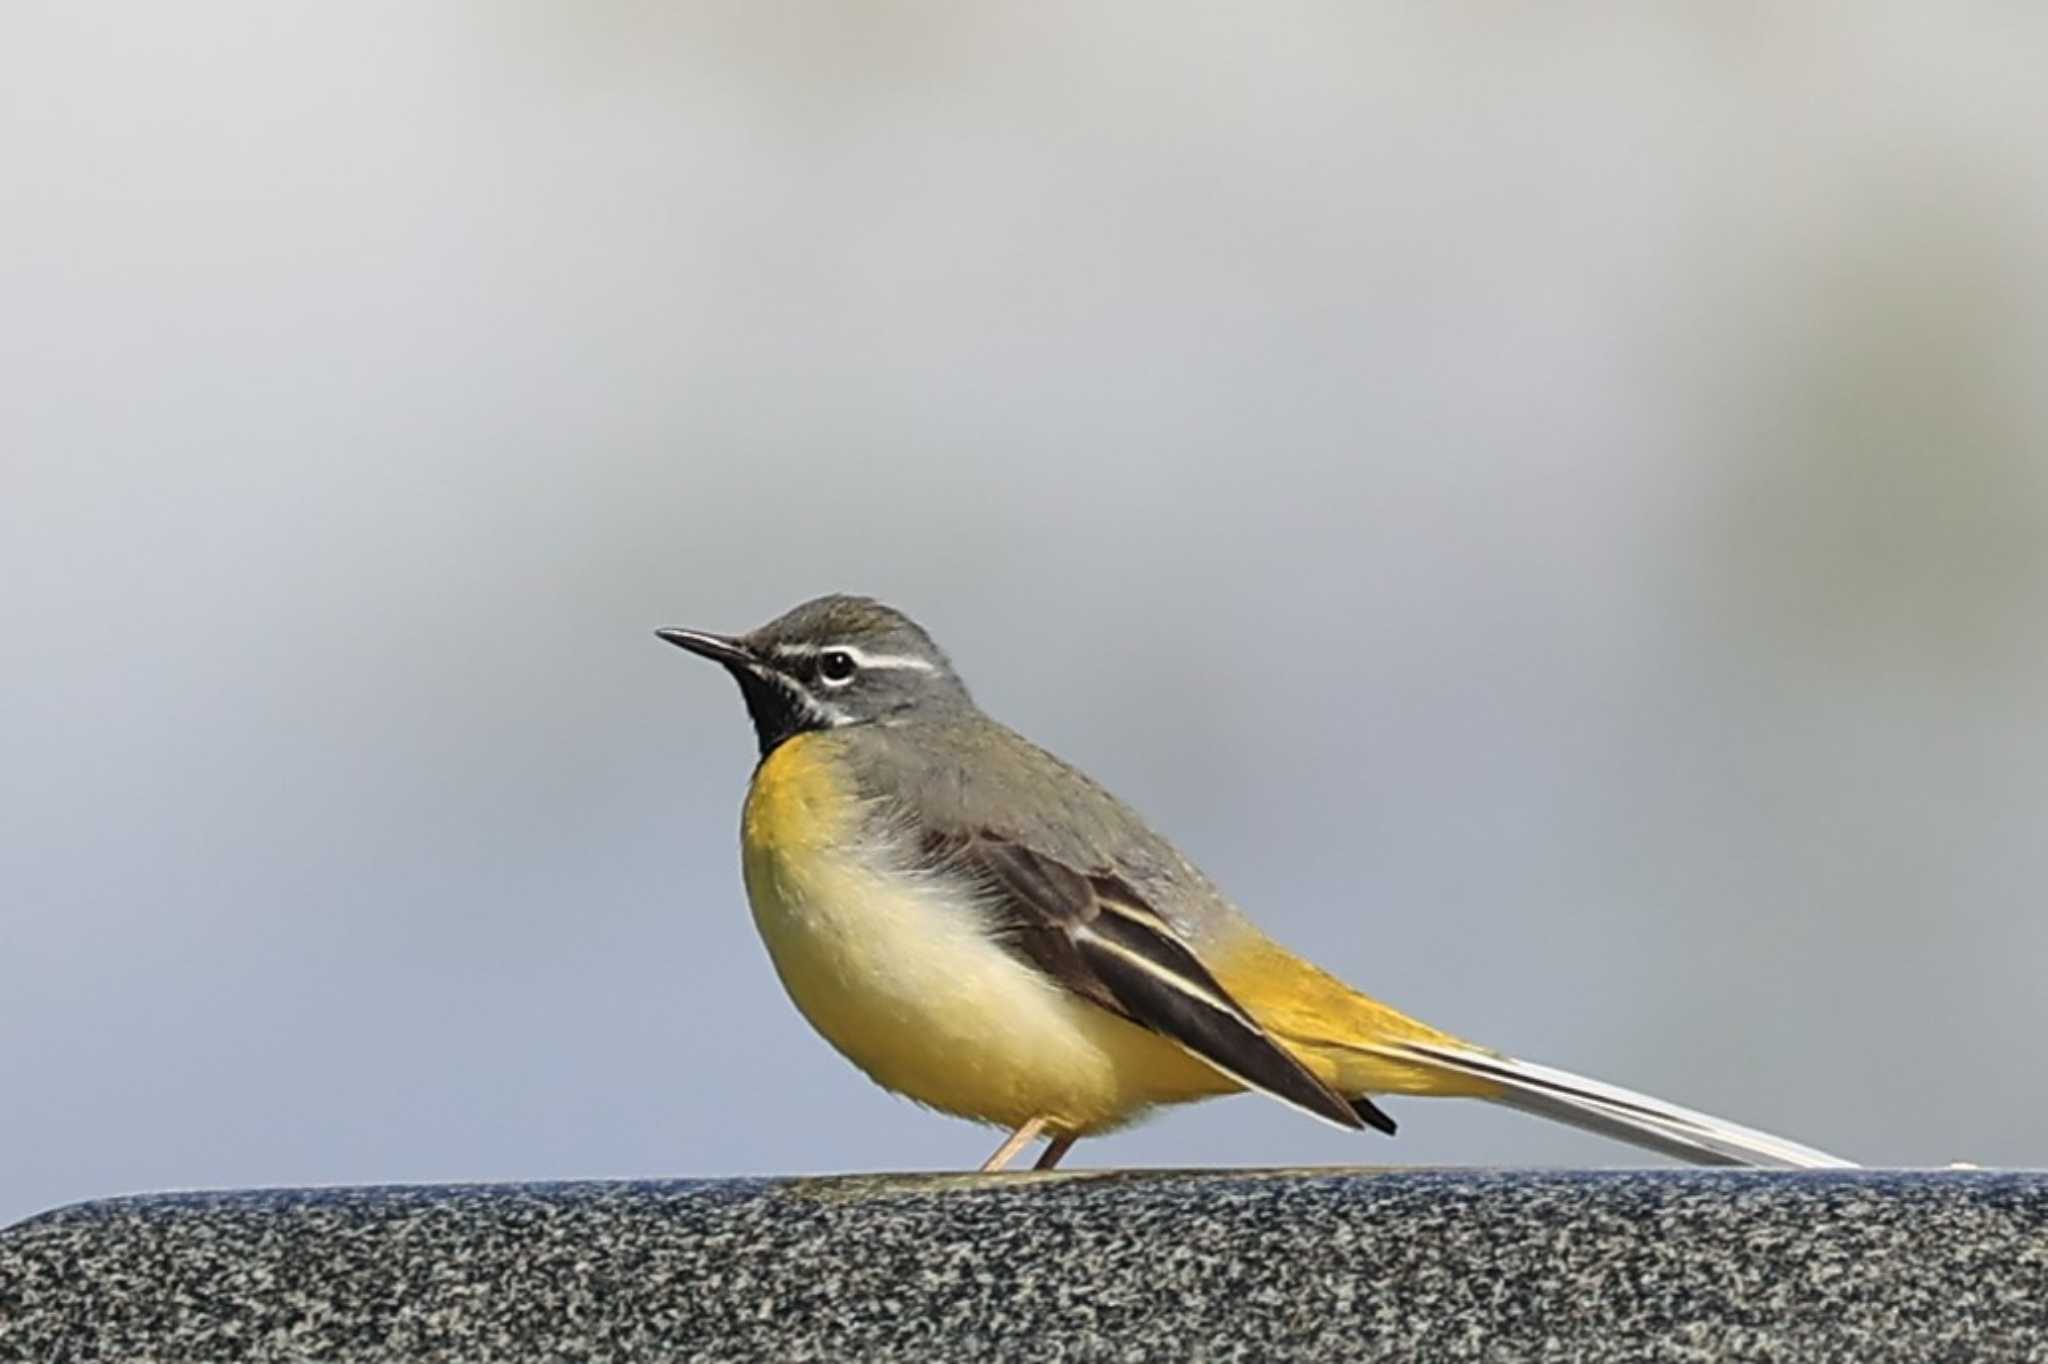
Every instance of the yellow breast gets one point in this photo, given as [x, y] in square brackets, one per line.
[897, 971]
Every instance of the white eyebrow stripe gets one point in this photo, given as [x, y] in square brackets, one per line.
[868, 660]
[860, 656]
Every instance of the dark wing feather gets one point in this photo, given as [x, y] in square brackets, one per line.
[1095, 935]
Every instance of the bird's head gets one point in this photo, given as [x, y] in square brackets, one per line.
[835, 660]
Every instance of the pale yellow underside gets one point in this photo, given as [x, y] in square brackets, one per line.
[909, 987]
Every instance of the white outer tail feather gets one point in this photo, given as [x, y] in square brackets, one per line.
[1619, 1113]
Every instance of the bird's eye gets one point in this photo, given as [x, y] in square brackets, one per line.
[836, 666]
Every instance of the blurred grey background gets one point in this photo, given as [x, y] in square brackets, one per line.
[1550, 509]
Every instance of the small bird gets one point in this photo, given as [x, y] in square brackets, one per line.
[982, 928]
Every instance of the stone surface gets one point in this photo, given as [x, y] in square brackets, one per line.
[1332, 1264]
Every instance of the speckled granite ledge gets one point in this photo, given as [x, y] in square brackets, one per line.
[1331, 1264]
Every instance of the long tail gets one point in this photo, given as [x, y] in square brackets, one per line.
[1358, 1045]
[1611, 1111]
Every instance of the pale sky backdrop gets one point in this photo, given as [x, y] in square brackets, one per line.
[1549, 508]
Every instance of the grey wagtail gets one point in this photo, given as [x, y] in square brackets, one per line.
[982, 928]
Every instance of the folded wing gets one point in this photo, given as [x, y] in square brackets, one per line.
[1094, 934]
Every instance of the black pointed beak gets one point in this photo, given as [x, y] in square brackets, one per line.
[718, 648]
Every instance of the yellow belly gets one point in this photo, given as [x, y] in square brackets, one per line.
[903, 979]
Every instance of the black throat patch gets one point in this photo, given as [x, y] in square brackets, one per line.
[778, 709]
